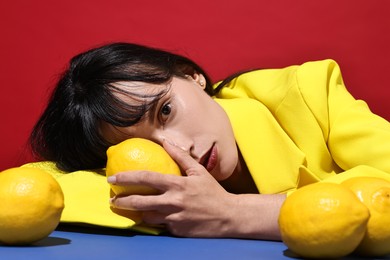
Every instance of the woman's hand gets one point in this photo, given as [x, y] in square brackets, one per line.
[195, 205]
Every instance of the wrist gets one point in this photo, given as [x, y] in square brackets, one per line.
[254, 216]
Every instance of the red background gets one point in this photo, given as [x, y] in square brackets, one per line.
[39, 37]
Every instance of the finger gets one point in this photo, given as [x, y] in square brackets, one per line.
[189, 165]
[141, 203]
[155, 180]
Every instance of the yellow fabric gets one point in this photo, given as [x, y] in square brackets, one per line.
[294, 126]
[299, 125]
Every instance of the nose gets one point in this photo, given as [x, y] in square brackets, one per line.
[184, 143]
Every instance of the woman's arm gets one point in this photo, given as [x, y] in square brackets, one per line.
[257, 216]
[196, 205]
[357, 139]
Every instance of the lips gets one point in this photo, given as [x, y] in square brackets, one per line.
[209, 160]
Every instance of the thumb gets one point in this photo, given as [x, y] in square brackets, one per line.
[188, 164]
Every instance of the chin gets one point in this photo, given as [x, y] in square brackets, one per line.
[221, 174]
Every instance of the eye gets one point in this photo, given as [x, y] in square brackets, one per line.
[165, 111]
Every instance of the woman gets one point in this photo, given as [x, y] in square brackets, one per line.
[243, 145]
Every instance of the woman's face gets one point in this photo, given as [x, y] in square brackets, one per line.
[188, 117]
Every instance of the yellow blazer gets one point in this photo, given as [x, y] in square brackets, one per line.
[294, 126]
[299, 125]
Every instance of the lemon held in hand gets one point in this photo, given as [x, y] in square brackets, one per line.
[375, 194]
[323, 220]
[31, 205]
[138, 154]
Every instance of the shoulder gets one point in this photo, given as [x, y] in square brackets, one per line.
[267, 80]
[271, 86]
[315, 71]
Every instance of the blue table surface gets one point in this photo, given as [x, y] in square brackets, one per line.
[92, 243]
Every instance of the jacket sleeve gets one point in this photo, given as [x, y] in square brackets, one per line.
[357, 139]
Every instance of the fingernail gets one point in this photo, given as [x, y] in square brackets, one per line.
[111, 201]
[111, 179]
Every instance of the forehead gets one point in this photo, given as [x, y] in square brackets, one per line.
[131, 99]
[137, 90]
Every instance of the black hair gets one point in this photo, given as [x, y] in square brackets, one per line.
[68, 130]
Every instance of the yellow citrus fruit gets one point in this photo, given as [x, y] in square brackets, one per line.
[31, 205]
[323, 220]
[375, 194]
[138, 154]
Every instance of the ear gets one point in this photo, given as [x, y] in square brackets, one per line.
[192, 74]
[200, 79]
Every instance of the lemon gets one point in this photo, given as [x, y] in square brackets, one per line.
[31, 205]
[138, 154]
[323, 220]
[375, 194]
